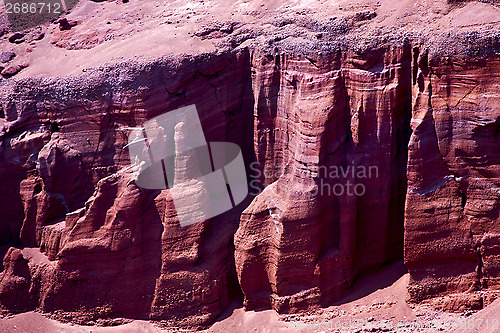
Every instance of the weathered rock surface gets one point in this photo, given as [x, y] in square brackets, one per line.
[7, 56]
[99, 245]
[453, 201]
[310, 233]
[371, 144]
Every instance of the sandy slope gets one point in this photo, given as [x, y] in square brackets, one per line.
[374, 301]
[113, 31]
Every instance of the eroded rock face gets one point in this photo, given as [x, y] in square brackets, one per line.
[91, 243]
[350, 145]
[311, 232]
[453, 202]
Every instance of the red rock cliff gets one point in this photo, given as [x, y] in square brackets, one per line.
[311, 232]
[364, 143]
[87, 240]
[453, 201]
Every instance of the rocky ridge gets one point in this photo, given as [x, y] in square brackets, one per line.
[302, 96]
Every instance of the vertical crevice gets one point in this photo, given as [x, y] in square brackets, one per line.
[478, 284]
[463, 199]
[403, 132]
[416, 54]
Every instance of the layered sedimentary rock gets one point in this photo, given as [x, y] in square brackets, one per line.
[346, 144]
[87, 240]
[330, 137]
[452, 220]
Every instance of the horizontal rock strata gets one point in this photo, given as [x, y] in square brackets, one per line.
[356, 156]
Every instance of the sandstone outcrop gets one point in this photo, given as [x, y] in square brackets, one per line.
[453, 200]
[364, 143]
[85, 232]
[310, 233]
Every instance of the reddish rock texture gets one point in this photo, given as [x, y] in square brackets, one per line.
[92, 243]
[452, 225]
[419, 128]
[85, 232]
[300, 243]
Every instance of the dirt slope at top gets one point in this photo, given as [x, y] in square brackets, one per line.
[112, 31]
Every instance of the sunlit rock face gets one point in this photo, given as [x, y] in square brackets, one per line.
[355, 157]
[452, 224]
[85, 238]
[330, 136]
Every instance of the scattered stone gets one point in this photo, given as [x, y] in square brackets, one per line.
[216, 30]
[13, 70]
[17, 38]
[7, 56]
[39, 36]
[65, 24]
[365, 15]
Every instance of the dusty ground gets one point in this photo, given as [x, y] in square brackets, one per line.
[113, 31]
[375, 301]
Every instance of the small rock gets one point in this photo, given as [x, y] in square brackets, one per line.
[65, 24]
[7, 56]
[17, 38]
[13, 70]
[365, 15]
[39, 36]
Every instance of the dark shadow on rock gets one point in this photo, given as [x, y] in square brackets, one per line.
[371, 282]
